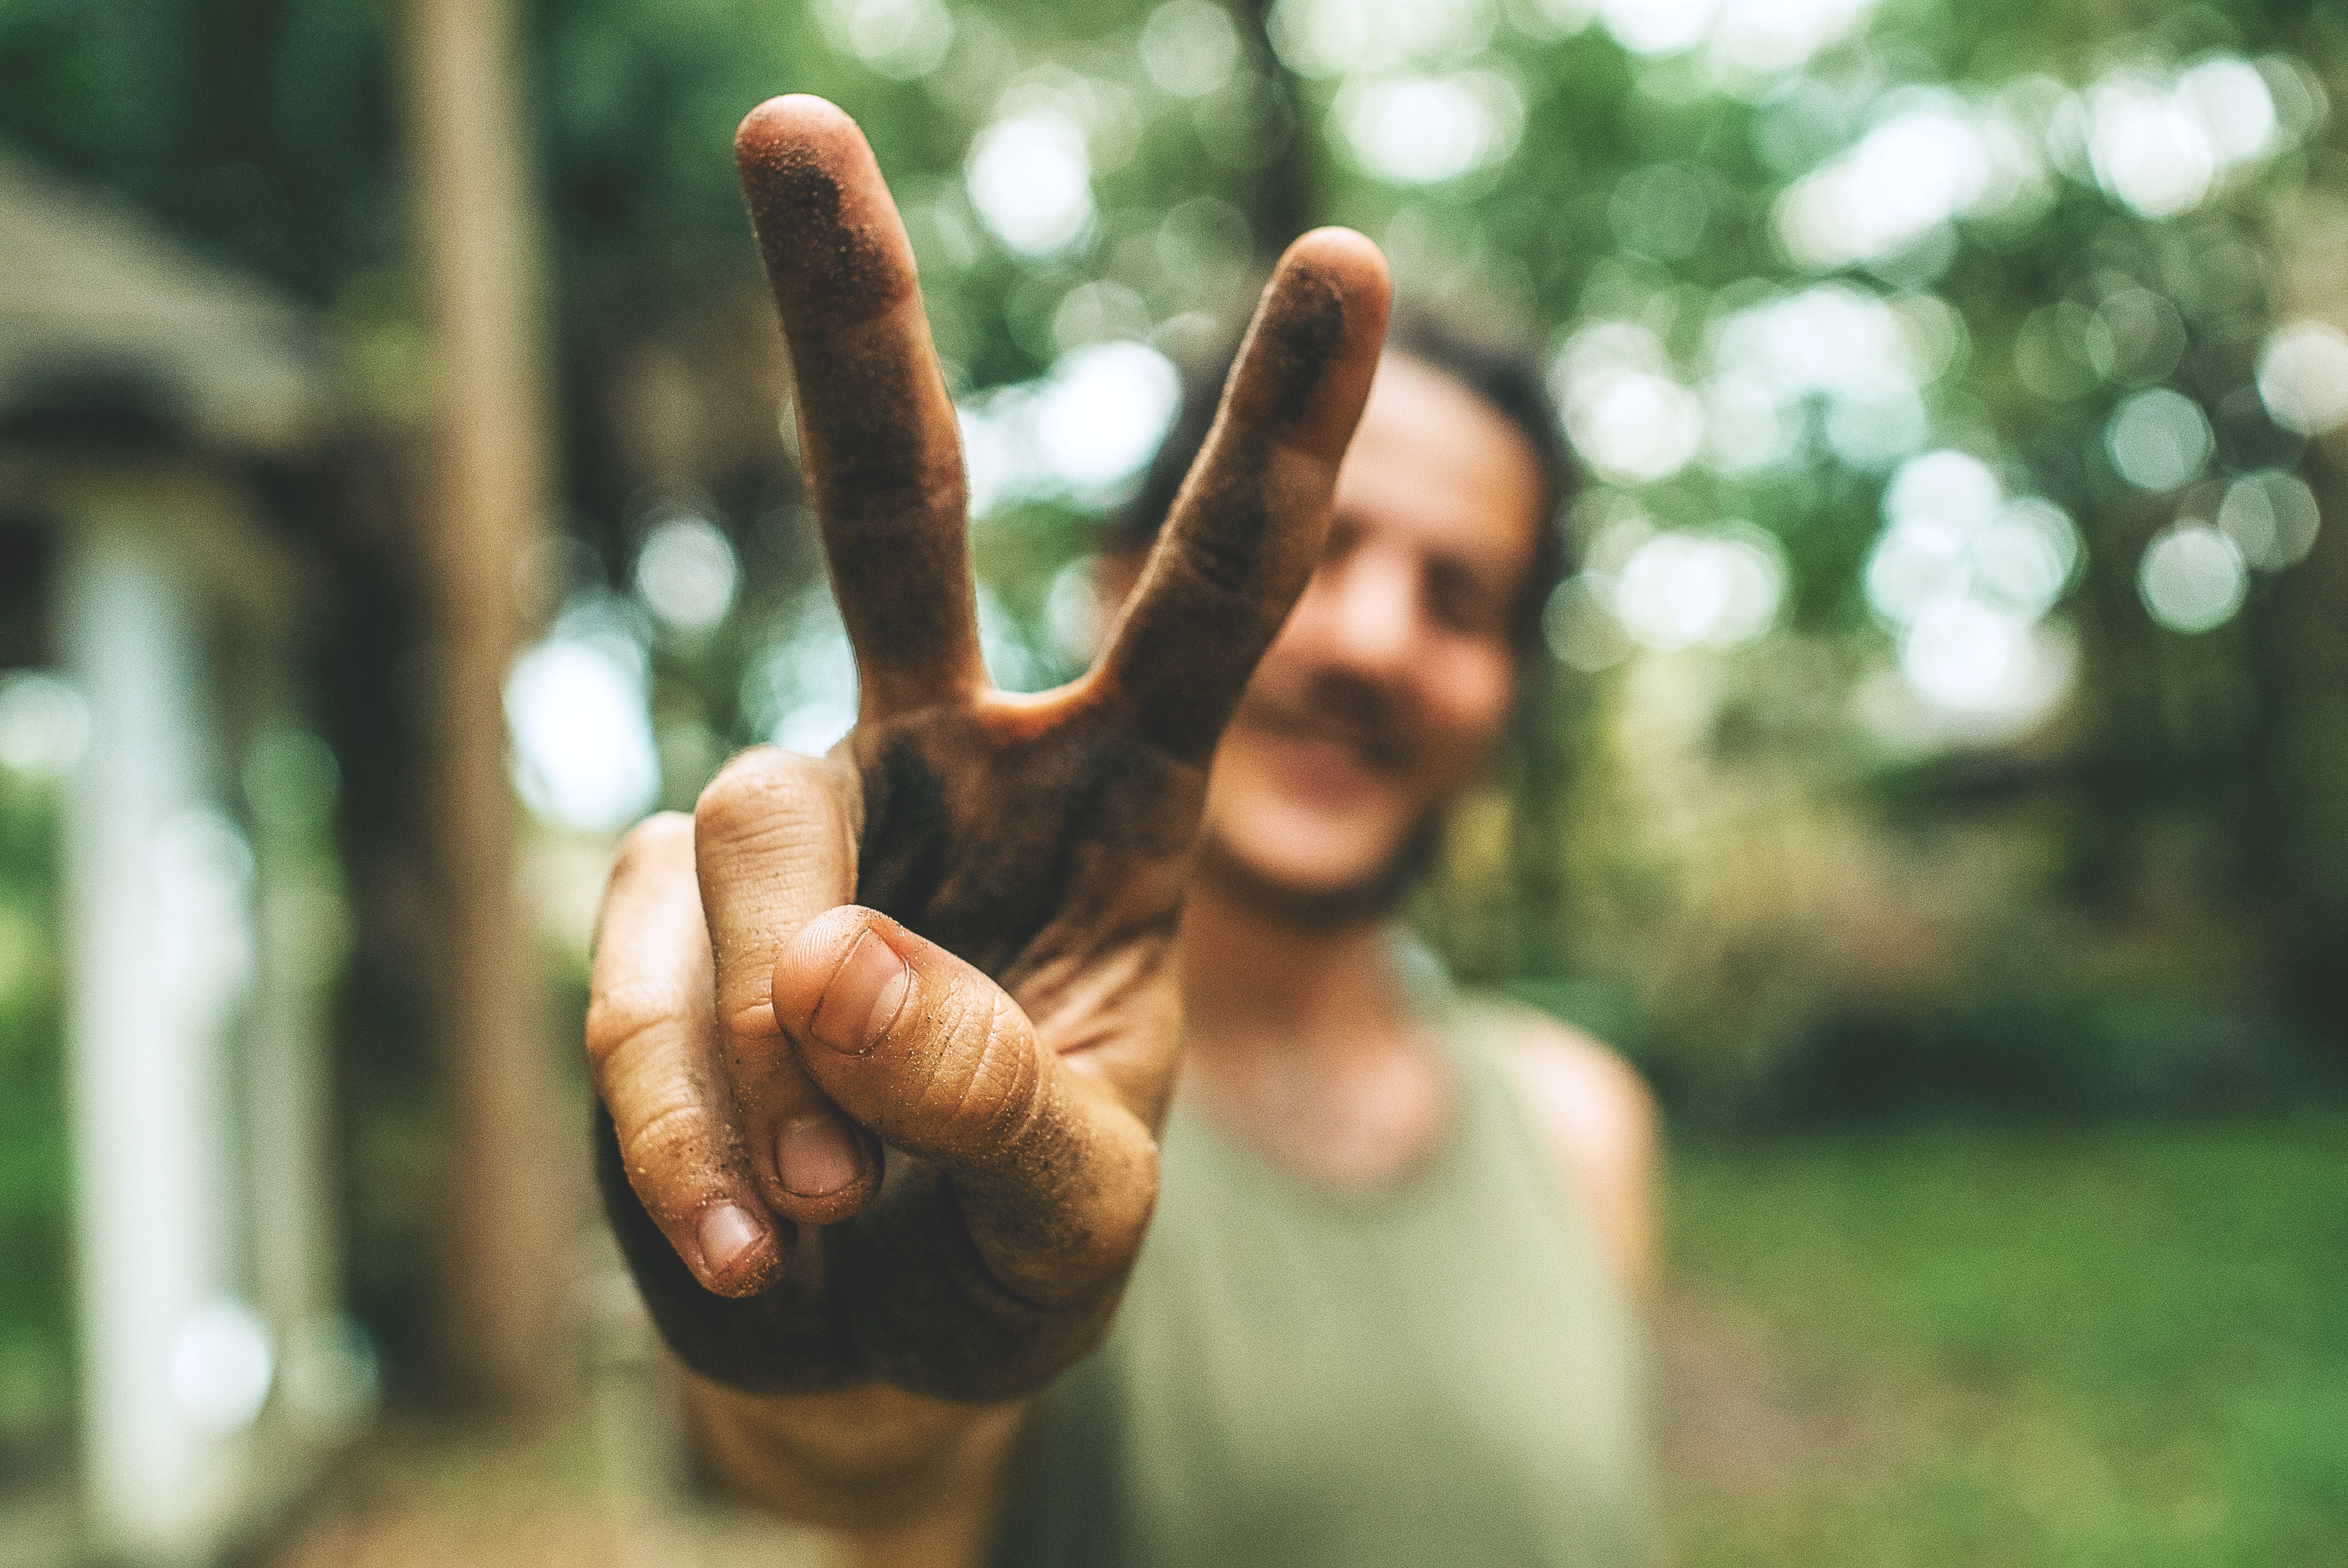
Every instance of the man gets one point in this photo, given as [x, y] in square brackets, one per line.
[883, 1167]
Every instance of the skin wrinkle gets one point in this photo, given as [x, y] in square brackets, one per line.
[1096, 783]
[1224, 556]
[1010, 894]
[1111, 794]
[1102, 809]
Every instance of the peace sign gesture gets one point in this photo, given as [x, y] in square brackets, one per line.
[949, 939]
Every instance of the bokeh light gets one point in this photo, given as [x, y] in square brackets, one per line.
[686, 573]
[1715, 590]
[1422, 130]
[1966, 655]
[1330, 37]
[222, 1364]
[1658, 27]
[2161, 145]
[899, 39]
[1630, 418]
[44, 724]
[1190, 48]
[1081, 433]
[1030, 178]
[583, 755]
[2303, 378]
[800, 691]
[1966, 576]
[1916, 170]
[2193, 578]
[2160, 439]
[2271, 518]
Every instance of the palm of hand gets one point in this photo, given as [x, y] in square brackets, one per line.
[1022, 846]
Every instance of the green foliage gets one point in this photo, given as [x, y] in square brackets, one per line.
[259, 128]
[35, 1160]
[2172, 813]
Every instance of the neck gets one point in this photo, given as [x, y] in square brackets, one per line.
[1298, 1037]
[1256, 986]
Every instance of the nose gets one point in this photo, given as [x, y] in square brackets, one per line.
[1362, 612]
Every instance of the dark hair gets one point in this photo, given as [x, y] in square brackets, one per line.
[1498, 368]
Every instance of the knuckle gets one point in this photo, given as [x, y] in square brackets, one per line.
[653, 842]
[750, 1018]
[672, 1130]
[653, 855]
[758, 792]
[981, 1087]
[622, 1018]
[1007, 1074]
[662, 1152]
[1221, 559]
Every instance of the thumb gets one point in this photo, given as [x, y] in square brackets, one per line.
[1055, 1178]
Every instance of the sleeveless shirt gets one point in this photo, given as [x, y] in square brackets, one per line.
[1442, 1369]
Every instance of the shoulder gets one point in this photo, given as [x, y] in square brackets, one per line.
[1597, 1119]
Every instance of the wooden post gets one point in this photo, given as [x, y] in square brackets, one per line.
[502, 1244]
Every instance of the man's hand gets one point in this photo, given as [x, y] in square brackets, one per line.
[995, 1008]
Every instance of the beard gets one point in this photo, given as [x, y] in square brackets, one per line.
[1320, 911]
[1331, 706]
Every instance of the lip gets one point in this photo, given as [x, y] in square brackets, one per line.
[1305, 722]
[1316, 762]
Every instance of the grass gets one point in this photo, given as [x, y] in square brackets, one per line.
[2123, 1347]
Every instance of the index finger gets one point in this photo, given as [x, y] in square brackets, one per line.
[1248, 523]
[878, 433]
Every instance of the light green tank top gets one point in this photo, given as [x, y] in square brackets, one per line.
[1439, 1371]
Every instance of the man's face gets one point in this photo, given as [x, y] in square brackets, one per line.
[1392, 679]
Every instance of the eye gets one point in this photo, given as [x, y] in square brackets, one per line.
[1459, 600]
[1343, 534]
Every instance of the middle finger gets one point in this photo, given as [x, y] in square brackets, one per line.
[771, 852]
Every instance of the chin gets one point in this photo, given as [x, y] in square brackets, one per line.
[1321, 892]
[1306, 851]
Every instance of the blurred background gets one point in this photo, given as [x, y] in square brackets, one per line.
[1938, 791]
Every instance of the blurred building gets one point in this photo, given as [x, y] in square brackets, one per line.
[154, 585]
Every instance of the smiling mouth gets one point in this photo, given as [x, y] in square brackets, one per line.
[1361, 746]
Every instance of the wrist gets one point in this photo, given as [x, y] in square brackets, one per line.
[865, 1460]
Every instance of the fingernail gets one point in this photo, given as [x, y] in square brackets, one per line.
[815, 1155]
[728, 1231]
[862, 999]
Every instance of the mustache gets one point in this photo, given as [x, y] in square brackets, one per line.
[1335, 707]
